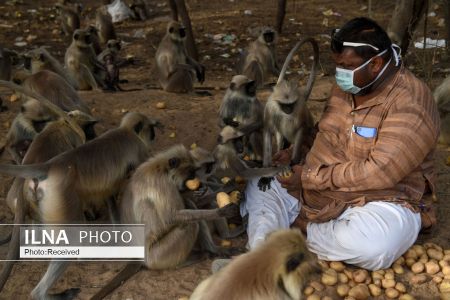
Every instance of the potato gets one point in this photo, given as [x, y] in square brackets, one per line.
[435, 254]
[400, 261]
[193, 146]
[423, 258]
[351, 283]
[326, 298]
[349, 273]
[337, 266]
[418, 267]
[225, 180]
[247, 158]
[225, 243]
[193, 184]
[433, 246]
[419, 249]
[222, 199]
[444, 287]
[172, 135]
[317, 286]
[235, 197]
[437, 279]
[409, 262]
[398, 269]
[388, 283]
[375, 290]
[443, 263]
[406, 297]
[13, 98]
[389, 276]
[329, 277]
[313, 297]
[342, 278]
[446, 270]
[419, 279]
[323, 264]
[447, 251]
[183, 298]
[377, 275]
[359, 292]
[411, 253]
[391, 293]
[308, 290]
[445, 296]
[432, 267]
[286, 175]
[360, 276]
[400, 287]
[377, 282]
[232, 226]
[161, 105]
[342, 290]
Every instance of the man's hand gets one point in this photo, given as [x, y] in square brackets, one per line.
[282, 157]
[292, 183]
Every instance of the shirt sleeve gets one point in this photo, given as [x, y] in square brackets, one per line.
[407, 135]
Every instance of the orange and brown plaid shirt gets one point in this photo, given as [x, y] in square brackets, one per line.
[346, 169]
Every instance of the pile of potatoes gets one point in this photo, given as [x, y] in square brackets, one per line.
[420, 264]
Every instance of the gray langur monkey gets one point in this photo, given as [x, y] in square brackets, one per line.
[278, 269]
[152, 197]
[56, 138]
[6, 63]
[81, 62]
[40, 59]
[93, 31]
[286, 115]
[69, 18]
[239, 108]
[442, 97]
[259, 60]
[177, 70]
[104, 25]
[73, 182]
[140, 10]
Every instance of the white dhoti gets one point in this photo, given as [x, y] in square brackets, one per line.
[372, 236]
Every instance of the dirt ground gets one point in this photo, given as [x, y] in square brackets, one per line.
[193, 118]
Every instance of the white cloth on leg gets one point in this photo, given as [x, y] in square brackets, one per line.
[372, 236]
[267, 211]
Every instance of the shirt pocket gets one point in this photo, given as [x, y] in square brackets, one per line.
[359, 147]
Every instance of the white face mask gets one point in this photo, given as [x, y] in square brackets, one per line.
[345, 78]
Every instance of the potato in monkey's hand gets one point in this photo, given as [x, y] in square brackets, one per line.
[285, 174]
[235, 197]
[193, 184]
[222, 199]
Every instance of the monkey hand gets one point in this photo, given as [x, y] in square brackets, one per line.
[293, 181]
[282, 157]
[229, 210]
[264, 183]
[200, 73]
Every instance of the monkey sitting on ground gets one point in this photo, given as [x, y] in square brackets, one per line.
[40, 59]
[177, 70]
[240, 107]
[81, 62]
[442, 97]
[152, 197]
[84, 178]
[140, 10]
[259, 60]
[277, 269]
[69, 17]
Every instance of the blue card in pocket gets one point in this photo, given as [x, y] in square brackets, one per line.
[367, 132]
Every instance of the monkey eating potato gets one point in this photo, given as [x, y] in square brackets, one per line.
[277, 269]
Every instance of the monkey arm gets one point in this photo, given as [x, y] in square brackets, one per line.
[297, 147]
[241, 169]
[267, 158]
[251, 127]
[195, 215]
[199, 69]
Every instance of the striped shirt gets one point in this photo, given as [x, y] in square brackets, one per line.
[381, 150]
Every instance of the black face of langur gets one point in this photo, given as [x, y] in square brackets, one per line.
[269, 36]
[181, 169]
[82, 38]
[286, 94]
[177, 31]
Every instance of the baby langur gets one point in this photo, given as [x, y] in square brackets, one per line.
[442, 98]
[239, 108]
[286, 115]
[82, 63]
[152, 197]
[112, 62]
[84, 178]
[69, 18]
[259, 60]
[177, 70]
[277, 269]
[40, 59]
[56, 138]
[104, 25]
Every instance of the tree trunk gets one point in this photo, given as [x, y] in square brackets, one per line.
[281, 12]
[404, 21]
[173, 9]
[190, 41]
